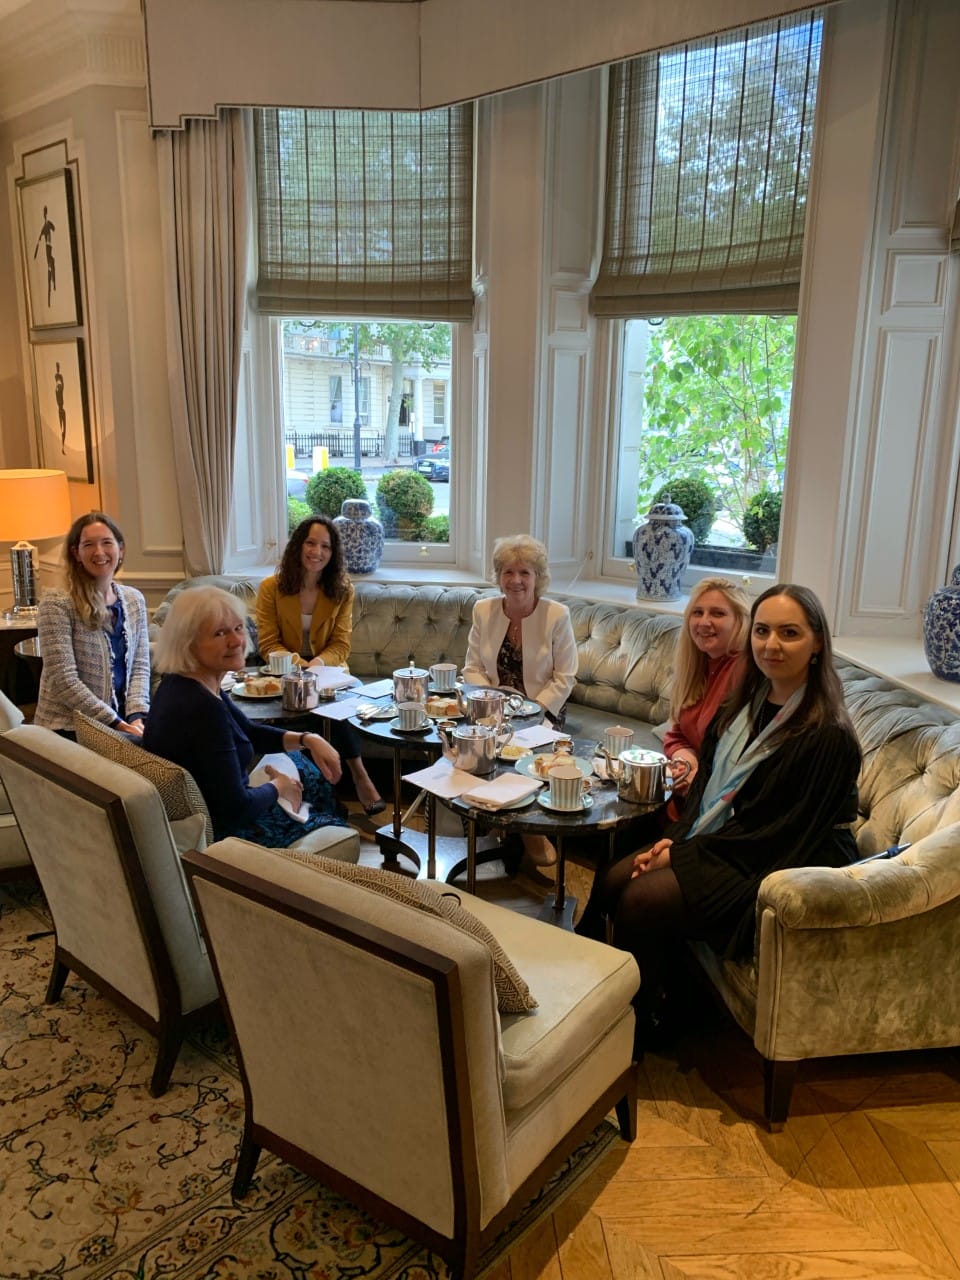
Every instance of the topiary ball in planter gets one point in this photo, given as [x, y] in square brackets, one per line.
[698, 501]
[328, 490]
[761, 520]
[404, 500]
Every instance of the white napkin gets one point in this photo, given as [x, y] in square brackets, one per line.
[283, 764]
[441, 779]
[506, 789]
[537, 735]
[339, 710]
[379, 689]
[333, 678]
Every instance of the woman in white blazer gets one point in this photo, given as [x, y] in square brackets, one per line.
[520, 640]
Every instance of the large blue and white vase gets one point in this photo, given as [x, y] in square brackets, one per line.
[361, 536]
[662, 546]
[941, 630]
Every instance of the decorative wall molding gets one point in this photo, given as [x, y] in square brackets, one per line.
[48, 52]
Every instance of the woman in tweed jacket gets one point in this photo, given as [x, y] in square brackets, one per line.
[93, 637]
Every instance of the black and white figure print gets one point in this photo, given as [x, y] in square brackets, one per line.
[63, 426]
[48, 235]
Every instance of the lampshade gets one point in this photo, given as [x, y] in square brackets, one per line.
[33, 504]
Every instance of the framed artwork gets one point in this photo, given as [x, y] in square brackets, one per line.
[48, 241]
[63, 418]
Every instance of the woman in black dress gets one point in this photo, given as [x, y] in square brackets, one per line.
[776, 788]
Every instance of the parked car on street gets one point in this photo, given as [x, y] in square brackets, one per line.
[435, 466]
[297, 485]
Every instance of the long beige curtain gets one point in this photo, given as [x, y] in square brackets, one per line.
[365, 212]
[708, 158]
[205, 219]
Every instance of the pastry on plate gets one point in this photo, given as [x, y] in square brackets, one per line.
[442, 707]
[513, 751]
[543, 764]
[262, 686]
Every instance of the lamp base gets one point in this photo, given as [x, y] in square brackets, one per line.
[24, 577]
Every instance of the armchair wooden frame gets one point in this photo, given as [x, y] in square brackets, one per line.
[171, 1025]
[464, 1249]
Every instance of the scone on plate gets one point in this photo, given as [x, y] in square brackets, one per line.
[442, 707]
[262, 686]
[543, 764]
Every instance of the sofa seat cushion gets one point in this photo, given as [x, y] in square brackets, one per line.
[582, 987]
[339, 844]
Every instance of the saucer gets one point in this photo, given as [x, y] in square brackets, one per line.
[394, 724]
[544, 799]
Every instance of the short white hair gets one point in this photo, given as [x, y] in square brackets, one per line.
[193, 609]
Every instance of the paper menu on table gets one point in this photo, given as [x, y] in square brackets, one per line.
[537, 735]
[283, 764]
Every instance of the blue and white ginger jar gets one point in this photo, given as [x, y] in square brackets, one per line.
[941, 630]
[662, 547]
[361, 536]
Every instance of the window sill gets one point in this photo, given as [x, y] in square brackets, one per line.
[901, 661]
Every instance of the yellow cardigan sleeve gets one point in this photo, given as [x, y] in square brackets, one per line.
[331, 631]
[270, 634]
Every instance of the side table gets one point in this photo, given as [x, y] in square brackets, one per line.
[11, 672]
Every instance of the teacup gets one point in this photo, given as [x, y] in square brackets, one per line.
[281, 664]
[444, 676]
[566, 787]
[410, 715]
[616, 739]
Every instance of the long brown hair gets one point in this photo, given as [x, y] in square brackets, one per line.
[822, 701]
[690, 664]
[334, 582]
[82, 589]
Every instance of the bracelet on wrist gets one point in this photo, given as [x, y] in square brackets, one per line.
[303, 738]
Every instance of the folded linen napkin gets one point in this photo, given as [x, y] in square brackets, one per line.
[333, 678]
[507, 789]
[283, 764]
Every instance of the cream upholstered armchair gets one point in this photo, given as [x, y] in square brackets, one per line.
[364, 1014]
[14, 859]
[110, 870]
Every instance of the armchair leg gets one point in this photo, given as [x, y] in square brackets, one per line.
[247, 1157]
[167, 1050]
[778, 1078]
[627, 1115]
[58, 977]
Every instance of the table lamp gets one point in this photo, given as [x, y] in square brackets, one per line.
[33, 504]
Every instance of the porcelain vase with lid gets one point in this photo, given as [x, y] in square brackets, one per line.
[361, 536]
[941, 629]
[662, 547]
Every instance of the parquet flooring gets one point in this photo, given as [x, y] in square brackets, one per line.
[863, 1183]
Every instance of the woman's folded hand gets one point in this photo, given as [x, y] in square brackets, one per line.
[652, 859]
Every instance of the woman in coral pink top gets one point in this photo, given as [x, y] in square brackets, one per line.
[709, 649]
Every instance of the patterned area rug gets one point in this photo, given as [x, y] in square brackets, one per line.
[100, 1181]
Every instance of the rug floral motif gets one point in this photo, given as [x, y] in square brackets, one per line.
[101, 1181]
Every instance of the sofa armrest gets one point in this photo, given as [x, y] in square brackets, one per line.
[923, 877]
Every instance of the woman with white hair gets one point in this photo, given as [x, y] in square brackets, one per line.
[521, 640]
[194, 723]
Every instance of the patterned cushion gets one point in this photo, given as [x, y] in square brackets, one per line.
[513, 994]
[179, 794]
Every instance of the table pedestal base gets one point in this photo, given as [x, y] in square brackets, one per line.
[450, 853]
[562, 916]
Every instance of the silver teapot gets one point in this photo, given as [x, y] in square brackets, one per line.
[300, 691]
[641, 775]
[410, 684]
[471, 747]
[488, 706]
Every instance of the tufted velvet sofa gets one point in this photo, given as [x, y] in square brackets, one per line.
[847, 961]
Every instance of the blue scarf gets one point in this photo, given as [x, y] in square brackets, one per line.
[732, 765]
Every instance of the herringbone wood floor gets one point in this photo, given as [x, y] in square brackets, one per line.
[862, 1184]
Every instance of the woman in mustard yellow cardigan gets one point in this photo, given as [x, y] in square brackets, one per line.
[307, 609]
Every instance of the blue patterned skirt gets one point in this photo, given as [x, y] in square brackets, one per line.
[277, 830]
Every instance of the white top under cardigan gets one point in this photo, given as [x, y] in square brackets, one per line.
[549, 650]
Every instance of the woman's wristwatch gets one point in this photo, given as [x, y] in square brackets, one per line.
[303, 738]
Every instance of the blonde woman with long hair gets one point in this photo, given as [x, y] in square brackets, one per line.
[93, 636]
[709, 649]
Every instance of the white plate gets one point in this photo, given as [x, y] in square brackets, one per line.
[543, 798]
[525, 764]
[382, 713]
[512, 753]
[240, 691]
[527, 709]
[395, 726]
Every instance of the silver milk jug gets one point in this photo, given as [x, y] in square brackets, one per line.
[641, 775]
[300, 691]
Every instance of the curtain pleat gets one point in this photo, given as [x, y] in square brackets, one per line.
[365, 212]
[708, 157]
[205, 218]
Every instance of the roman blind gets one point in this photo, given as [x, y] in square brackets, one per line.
[365, 212]
[708, 160]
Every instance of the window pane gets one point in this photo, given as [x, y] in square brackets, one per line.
[705, 409]
[340, 383]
